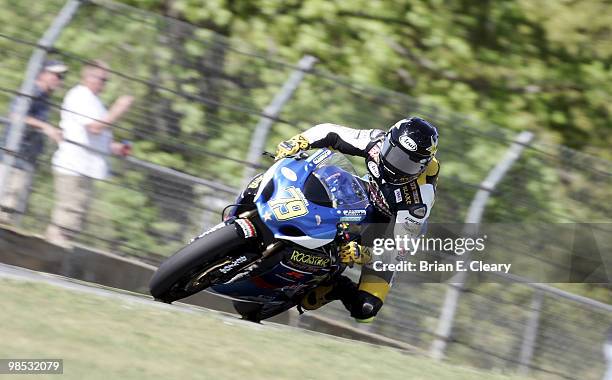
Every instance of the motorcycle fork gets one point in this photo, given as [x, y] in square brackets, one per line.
[247, 214]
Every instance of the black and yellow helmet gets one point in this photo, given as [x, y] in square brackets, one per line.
[407, 149]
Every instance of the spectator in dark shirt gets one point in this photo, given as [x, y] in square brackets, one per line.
[32, 145]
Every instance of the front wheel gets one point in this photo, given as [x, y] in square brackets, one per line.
[211, 259]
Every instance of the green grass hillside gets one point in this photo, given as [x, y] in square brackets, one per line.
[102, 338]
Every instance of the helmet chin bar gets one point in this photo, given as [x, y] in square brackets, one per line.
[392, 178]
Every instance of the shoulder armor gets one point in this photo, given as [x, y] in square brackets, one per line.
[430, 175]
[433, 168]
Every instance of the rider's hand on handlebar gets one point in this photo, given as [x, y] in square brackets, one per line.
[353, 253]
[291, 147]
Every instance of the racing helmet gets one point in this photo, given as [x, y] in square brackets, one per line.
[407, 149]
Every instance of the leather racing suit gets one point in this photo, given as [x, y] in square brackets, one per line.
[404, 209]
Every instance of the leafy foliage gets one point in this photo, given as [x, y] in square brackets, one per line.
[517, 63]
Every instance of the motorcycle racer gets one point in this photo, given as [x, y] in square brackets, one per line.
[403, 173]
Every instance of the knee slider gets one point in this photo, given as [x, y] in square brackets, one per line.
[365, 306]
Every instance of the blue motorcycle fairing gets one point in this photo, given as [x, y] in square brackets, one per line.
[278, 283]
[291, 216]
[284, 208]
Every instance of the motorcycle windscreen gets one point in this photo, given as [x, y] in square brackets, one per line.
[343, 188]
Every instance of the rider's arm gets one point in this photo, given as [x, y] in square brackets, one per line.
[345, 140]
[354, 142]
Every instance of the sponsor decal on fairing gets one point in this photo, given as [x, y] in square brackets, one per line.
[289, 174]
[354, 212]
[321, 156]
[305, 258]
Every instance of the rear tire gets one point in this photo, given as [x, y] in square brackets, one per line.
[170, 281]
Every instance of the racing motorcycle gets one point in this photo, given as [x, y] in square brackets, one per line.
[279, 241]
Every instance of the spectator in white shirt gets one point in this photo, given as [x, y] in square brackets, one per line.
[82, 156]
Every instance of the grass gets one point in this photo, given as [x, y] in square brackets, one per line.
[104, 338]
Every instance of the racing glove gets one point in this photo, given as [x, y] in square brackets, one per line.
[291, 147]
[353, 253]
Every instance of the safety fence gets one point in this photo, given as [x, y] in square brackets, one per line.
[201, 97]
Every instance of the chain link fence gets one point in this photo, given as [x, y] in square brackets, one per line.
[199, 97]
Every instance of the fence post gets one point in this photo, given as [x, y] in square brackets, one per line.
[24, 99]
[474, 216]
[262, 129]
[531, 333]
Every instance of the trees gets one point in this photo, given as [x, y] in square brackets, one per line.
[515, 63]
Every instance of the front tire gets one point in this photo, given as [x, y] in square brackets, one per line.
[256, 312]
[175, 277]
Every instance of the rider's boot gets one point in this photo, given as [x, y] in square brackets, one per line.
[342, 288]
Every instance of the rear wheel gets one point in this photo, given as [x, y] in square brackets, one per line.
[213, 258]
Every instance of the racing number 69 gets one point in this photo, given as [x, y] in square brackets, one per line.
[289, 208]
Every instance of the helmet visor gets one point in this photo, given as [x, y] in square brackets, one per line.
[401, 163]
